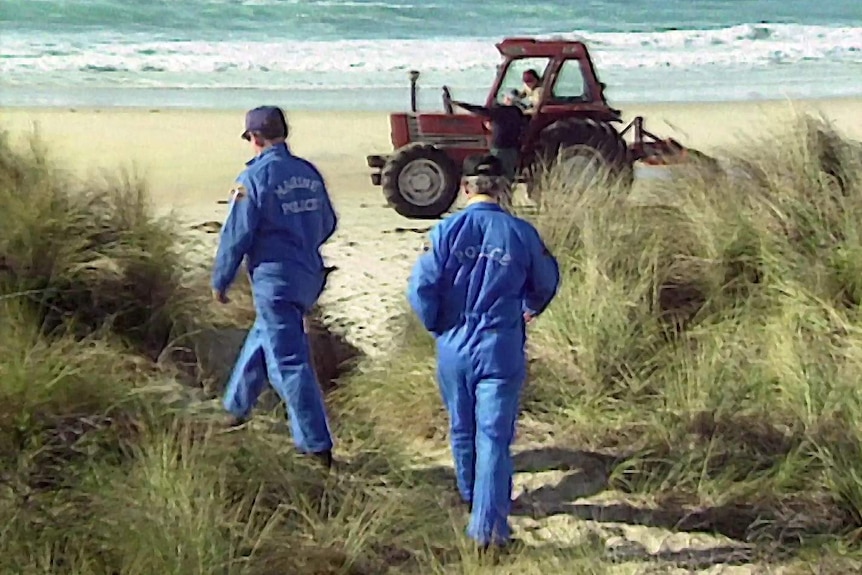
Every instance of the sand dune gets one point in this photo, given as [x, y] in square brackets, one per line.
[190, 159]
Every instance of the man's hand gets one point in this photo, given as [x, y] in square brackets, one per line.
[220, 297]
[528, 317]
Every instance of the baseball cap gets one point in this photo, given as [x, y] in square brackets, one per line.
[268, 121]
[482, 165]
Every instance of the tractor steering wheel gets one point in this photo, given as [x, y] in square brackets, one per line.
[447, 101]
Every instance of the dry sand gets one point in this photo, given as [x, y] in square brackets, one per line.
[190, 159]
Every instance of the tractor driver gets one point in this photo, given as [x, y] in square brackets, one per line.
[532, 89]
[506, 122]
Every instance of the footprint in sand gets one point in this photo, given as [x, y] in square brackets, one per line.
[211, 227]
[400, 230]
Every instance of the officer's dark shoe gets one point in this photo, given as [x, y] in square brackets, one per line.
[233, 422]
[455, 501]
[324, 458]
[498, 549]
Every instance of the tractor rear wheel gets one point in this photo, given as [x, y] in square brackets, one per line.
[582, 151]
[420, 181]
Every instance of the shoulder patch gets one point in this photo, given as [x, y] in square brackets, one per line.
[238, 192]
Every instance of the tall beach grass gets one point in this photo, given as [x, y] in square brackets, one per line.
[707, 336]
[110, 461]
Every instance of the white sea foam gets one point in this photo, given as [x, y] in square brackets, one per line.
[692, 62]
[201, 62]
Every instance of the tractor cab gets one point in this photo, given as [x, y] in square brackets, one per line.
[519, 58]
[568, 82]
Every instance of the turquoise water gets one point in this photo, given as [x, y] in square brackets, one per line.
[356, 54]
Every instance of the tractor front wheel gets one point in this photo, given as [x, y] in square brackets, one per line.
[420, 181]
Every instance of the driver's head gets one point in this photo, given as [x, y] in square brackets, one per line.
[530, 78]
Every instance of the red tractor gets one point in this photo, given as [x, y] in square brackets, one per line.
[571, 121]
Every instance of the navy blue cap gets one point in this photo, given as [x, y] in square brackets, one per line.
[268, 121]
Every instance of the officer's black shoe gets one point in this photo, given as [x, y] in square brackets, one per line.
[455, 501]
[324, 457]
[232, 422]
[498, 550]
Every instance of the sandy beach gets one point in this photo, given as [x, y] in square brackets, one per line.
[190, 159]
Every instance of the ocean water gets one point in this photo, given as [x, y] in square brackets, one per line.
[356, 54]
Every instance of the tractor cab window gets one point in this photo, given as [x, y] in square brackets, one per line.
[570, 86]
[513, 80]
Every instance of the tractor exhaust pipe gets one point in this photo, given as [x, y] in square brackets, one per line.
[414, 76]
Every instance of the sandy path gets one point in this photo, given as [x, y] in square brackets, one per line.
[374, 259]
[561, 502]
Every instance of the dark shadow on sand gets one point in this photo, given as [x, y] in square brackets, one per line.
[783, 525]
[587, 474]
[209, 357]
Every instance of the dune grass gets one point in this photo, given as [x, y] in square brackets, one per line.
[718, 335]
[707, 335]
[110, 460]
[103, 471]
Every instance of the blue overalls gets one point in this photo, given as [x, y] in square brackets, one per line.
[483, 270]
[279, 217]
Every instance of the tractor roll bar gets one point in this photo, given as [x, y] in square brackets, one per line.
[414, 77]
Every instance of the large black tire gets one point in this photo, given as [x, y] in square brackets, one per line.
[420, 181]
[581, 142]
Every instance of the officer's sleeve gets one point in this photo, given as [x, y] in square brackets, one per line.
[423, 290]
[543, 277]
[237, 234]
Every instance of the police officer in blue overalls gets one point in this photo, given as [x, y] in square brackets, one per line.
[280, 215]
[485, 275]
